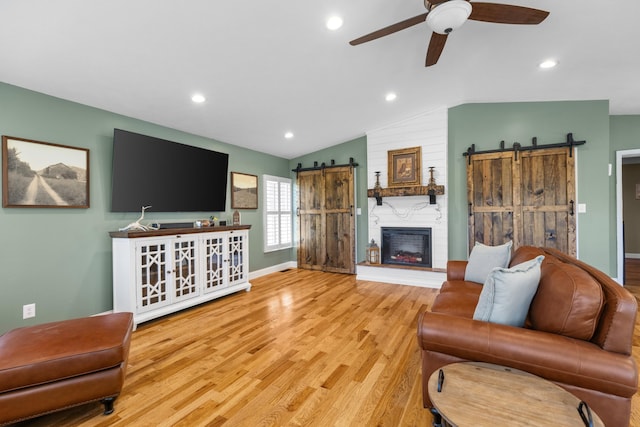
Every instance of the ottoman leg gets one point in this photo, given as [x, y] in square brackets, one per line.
[108, 405]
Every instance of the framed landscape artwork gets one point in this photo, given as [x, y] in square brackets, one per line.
[404, 167]
[244, 191]
[43, 175]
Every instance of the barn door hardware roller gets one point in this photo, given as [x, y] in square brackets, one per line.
[323, 166]
[569, 143]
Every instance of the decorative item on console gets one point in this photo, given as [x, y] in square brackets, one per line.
[136, 226]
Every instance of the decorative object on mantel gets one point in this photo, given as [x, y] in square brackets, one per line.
[404, 167]
[570, 143]
[136, 226]
[373, 253]
[236, 217]
[432, 190]
[377, 189]
[299, 168]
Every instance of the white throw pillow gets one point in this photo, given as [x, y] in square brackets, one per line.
[507, 294]
[483, 259]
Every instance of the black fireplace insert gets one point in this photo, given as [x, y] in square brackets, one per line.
[406, 246]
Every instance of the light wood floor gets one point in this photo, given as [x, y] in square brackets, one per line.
[301, 349]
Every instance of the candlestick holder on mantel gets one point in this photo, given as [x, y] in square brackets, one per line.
[431, 189]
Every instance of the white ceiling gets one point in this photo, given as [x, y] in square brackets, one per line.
[267, 67]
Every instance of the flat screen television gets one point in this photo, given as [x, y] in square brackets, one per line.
[168, 176]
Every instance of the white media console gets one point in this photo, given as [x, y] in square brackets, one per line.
[158, 272]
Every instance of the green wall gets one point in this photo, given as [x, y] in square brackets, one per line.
[485, 125]
[356, 149]
[625, 135]
[60, 259]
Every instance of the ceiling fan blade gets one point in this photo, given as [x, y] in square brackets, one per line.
[435, 48]
[390, 29]
[506, 13]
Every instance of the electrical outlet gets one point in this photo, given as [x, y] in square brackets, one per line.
[28, 311]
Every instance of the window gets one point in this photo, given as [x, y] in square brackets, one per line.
[277, 213]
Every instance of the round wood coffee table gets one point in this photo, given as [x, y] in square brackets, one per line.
[478, 394]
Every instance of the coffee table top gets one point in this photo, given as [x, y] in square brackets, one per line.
[478, 394]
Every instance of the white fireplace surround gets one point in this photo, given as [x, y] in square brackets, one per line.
[428, 131]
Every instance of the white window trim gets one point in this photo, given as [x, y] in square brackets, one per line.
[266, 180]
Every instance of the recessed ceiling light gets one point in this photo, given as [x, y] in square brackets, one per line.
[390, 97]
[288, 135]
[198, 98]
[334, 23]
[549, 63]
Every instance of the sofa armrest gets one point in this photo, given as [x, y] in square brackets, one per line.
[551, 356]
[456, 269]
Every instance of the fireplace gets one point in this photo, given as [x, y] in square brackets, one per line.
[406, 246]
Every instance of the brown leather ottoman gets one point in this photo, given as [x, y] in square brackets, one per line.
[53, 366]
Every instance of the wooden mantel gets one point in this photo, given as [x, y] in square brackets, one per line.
[419, 190]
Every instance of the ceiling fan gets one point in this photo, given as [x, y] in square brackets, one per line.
[445, 16]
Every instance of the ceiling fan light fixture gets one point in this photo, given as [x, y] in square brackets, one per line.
[448, 16]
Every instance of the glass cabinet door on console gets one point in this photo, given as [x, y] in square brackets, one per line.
[214, 247]
[185, 267]
[237, 247]
[152, 282]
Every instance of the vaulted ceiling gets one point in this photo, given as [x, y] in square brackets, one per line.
[270, 67]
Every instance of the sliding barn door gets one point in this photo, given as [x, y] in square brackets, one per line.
[326, 218]
[527, 197]
[310, 199]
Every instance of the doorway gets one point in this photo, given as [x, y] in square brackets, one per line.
[622, 157]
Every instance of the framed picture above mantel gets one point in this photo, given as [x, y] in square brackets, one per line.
[39, 174]
[404, 167]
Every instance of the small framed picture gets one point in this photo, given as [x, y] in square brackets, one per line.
[637, 191]
[404, 167]
[244, 191]
[43, 175]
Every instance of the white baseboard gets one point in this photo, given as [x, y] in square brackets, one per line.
[634, 256]
[272, 269]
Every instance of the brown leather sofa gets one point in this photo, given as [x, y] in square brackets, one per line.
[568, 338]
[53, 366]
